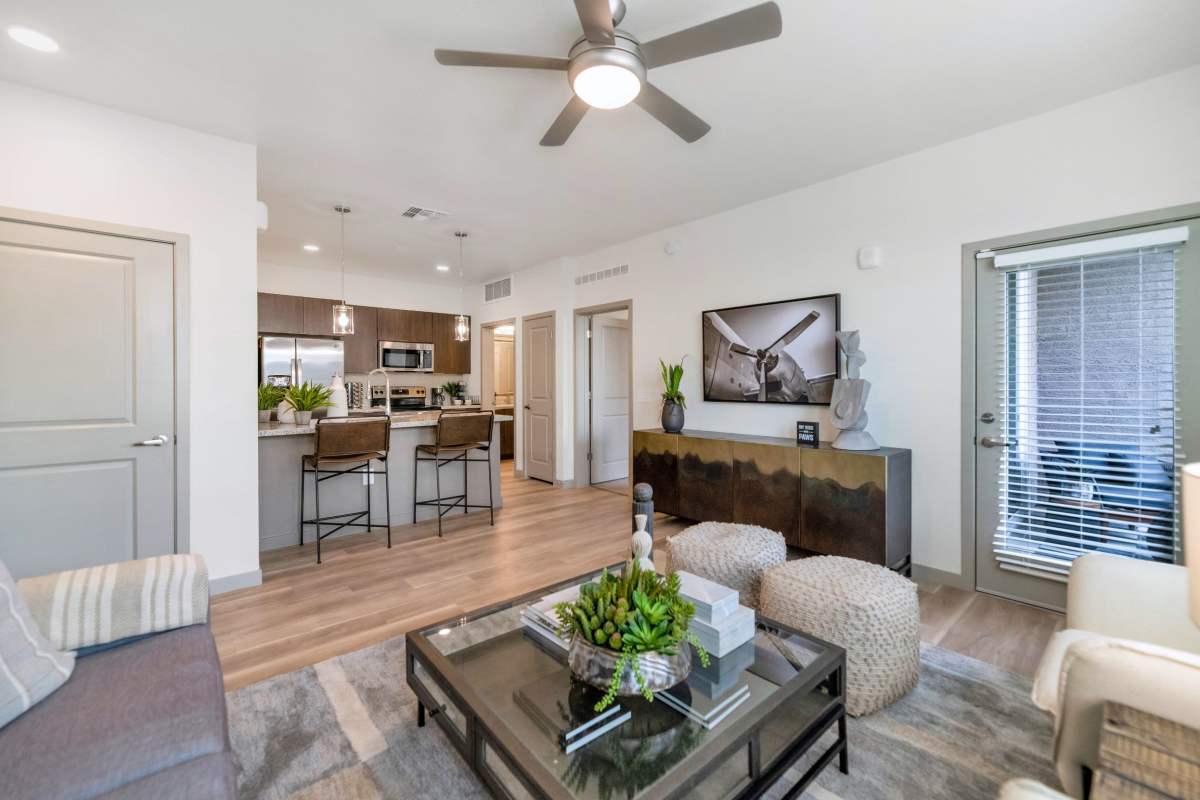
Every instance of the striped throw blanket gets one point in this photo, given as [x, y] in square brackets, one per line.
[98, 605]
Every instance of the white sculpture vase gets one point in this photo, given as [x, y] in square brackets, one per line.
[642, 543]
[337, 388]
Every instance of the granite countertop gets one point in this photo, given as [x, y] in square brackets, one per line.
[404, 419]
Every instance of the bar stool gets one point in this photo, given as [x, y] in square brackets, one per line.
[459, 433]
[346, 446]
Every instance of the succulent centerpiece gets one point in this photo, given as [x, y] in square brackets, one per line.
[629, 633]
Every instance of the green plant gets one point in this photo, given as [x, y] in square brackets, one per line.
[637, 611]
[452, 388]
[308, 396]
[672, 375]
[269, 397]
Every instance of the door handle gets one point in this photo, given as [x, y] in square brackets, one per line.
[155, 441]
[527, 408]
[993, 441]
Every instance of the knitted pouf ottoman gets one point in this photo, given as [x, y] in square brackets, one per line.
[869, 610]
[731, 554]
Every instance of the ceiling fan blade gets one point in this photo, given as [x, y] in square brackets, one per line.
[596, 16]
[740, 28]
[565, 124]
[670, 113]
[471, 58]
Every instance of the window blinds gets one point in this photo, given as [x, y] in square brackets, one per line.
[1086, 401]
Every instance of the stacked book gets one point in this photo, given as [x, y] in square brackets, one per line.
[721, 624]
[571, 723]
[706, 711]
[540, 619]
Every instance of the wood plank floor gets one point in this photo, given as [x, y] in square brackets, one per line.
[364, 593]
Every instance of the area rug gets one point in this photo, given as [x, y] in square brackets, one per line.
[346, 728]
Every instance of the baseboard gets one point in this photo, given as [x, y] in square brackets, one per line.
[229, 583]
[924, 574]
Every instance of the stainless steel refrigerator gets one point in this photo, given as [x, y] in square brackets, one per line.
[287, 360]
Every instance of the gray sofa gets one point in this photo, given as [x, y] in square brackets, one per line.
[141, 720]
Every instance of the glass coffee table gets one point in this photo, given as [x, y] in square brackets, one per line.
[503, 694]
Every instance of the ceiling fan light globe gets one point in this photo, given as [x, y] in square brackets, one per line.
[607, 86]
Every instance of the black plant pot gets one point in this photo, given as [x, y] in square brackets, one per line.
[672, 417]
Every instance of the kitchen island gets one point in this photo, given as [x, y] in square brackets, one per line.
[281, 446]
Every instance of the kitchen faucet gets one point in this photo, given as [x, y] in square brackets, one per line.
[387, 390]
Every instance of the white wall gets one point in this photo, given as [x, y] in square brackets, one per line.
[62, 156]
[1128, 151]
[367, 290]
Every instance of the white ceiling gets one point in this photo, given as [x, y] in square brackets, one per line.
[346, 103]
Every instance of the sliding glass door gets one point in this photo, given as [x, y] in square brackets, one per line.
[1078, 431]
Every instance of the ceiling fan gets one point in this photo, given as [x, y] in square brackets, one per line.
[606, 67]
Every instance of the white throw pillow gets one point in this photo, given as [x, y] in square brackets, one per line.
[30, 667]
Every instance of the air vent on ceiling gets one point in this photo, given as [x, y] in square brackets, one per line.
[601, 274]
[418, 214]
[497, 290]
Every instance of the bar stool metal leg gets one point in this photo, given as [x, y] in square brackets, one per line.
[416, 468]
[466, 494]
[368, 476]
[317, 500]
[437, 477]
[387, 499]
[491, 497]
[301, 524]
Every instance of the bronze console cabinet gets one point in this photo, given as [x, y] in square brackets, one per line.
[833, 502]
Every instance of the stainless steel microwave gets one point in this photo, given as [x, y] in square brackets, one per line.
[406, 356]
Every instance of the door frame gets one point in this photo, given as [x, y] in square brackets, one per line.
[522, 387]
[181, 313]
[583, 414]
[967, 579]
[487, 358]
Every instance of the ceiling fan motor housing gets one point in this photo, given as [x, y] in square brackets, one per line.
[624, 52]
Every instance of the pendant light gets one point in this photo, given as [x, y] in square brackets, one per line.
[343, 315]
[462, 323]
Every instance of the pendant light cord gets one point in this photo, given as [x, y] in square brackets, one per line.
[342, 255]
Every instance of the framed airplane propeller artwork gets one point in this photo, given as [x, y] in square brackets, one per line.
[780, 352]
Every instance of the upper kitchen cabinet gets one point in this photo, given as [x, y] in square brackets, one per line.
[449, 357]
[396, 325]
[280, 313]
[317, 316]
[362, 347]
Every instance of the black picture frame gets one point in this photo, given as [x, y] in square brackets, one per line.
[808, 434]
[834, 297]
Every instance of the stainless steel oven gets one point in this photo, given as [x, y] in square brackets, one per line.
[406, 356]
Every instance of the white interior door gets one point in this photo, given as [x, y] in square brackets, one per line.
[87, 434]
[538, 370]
[610, 398]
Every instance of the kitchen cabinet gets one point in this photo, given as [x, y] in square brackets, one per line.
[313, 316]
[280, 313]
[449, 357]
[317, 316]
[396, 325]
[362, 348]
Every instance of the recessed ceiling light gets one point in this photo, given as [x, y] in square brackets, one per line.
[31, 38]
[312, 248]
[442, 268]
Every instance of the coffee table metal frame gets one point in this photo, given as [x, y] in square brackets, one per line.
[485, 729]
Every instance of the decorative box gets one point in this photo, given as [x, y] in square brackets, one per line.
[713, 601]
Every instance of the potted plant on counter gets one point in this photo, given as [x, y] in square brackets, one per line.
[307, 398]
[629, 633]
[453, 391]
[268, 398]
[673, 400]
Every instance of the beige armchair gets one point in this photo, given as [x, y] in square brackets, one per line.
[1129, 639]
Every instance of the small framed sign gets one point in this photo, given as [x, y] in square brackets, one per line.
[808, 434]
